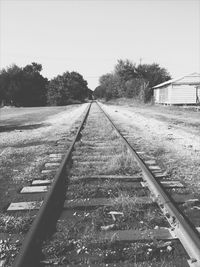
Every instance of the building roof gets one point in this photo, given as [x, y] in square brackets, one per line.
[192, 79]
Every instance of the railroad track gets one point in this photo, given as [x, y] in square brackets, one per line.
[108, 205]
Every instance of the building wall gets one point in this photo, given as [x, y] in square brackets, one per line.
[175, 94]
[156, 95]
[198, 94]
[183, 94]
[161, 95]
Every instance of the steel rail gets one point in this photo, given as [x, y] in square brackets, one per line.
[46, 218]
[183, 229]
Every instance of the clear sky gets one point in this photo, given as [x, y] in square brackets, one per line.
[89, 36]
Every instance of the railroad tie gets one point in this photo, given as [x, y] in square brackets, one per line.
[25, 206]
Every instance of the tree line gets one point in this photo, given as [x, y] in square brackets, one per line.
[131, 81]
[26, 87]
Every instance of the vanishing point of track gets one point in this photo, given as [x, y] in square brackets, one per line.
[91, 185]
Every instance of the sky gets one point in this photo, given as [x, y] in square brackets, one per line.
[90, 36]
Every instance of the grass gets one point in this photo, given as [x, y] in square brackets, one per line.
[102, 133]
[136, 215]
[18, 167]
[160, 151]
[59, 243]
[16, 116]
[89, 157]
[99, 189]
[126, 204]
[8, 252]
[122, 164]
[101, 128]
[64, 249]
[15, 224]
[25, 143]
[173, 109]
[25, 154]
[85, 190]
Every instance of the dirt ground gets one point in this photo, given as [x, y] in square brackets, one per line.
[27, 135]
[171, 134]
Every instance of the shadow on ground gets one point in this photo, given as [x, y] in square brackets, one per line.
[9, 128]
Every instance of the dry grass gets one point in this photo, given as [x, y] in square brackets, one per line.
[122, 164]
[101, 189]
[127, 204]
[160, 151]
[157, 133]
[18, 167]
[27, 150]
[102, 131]
[107, 188]
[27, 136]
[133, 214]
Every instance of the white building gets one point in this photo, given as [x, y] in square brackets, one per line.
[185, 90]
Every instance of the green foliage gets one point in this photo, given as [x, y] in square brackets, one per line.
[66, 88]
[129, 80]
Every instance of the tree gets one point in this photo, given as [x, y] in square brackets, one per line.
[23, 86]
[99, 92]
[66, 88]
[129, 80]
[33, 68]
[34, 86]
[56, 96]
[134, 88]
[89, 94]
[76, 85]
[110, 85]
[10, 81]
[153, 73]
[125, 69]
